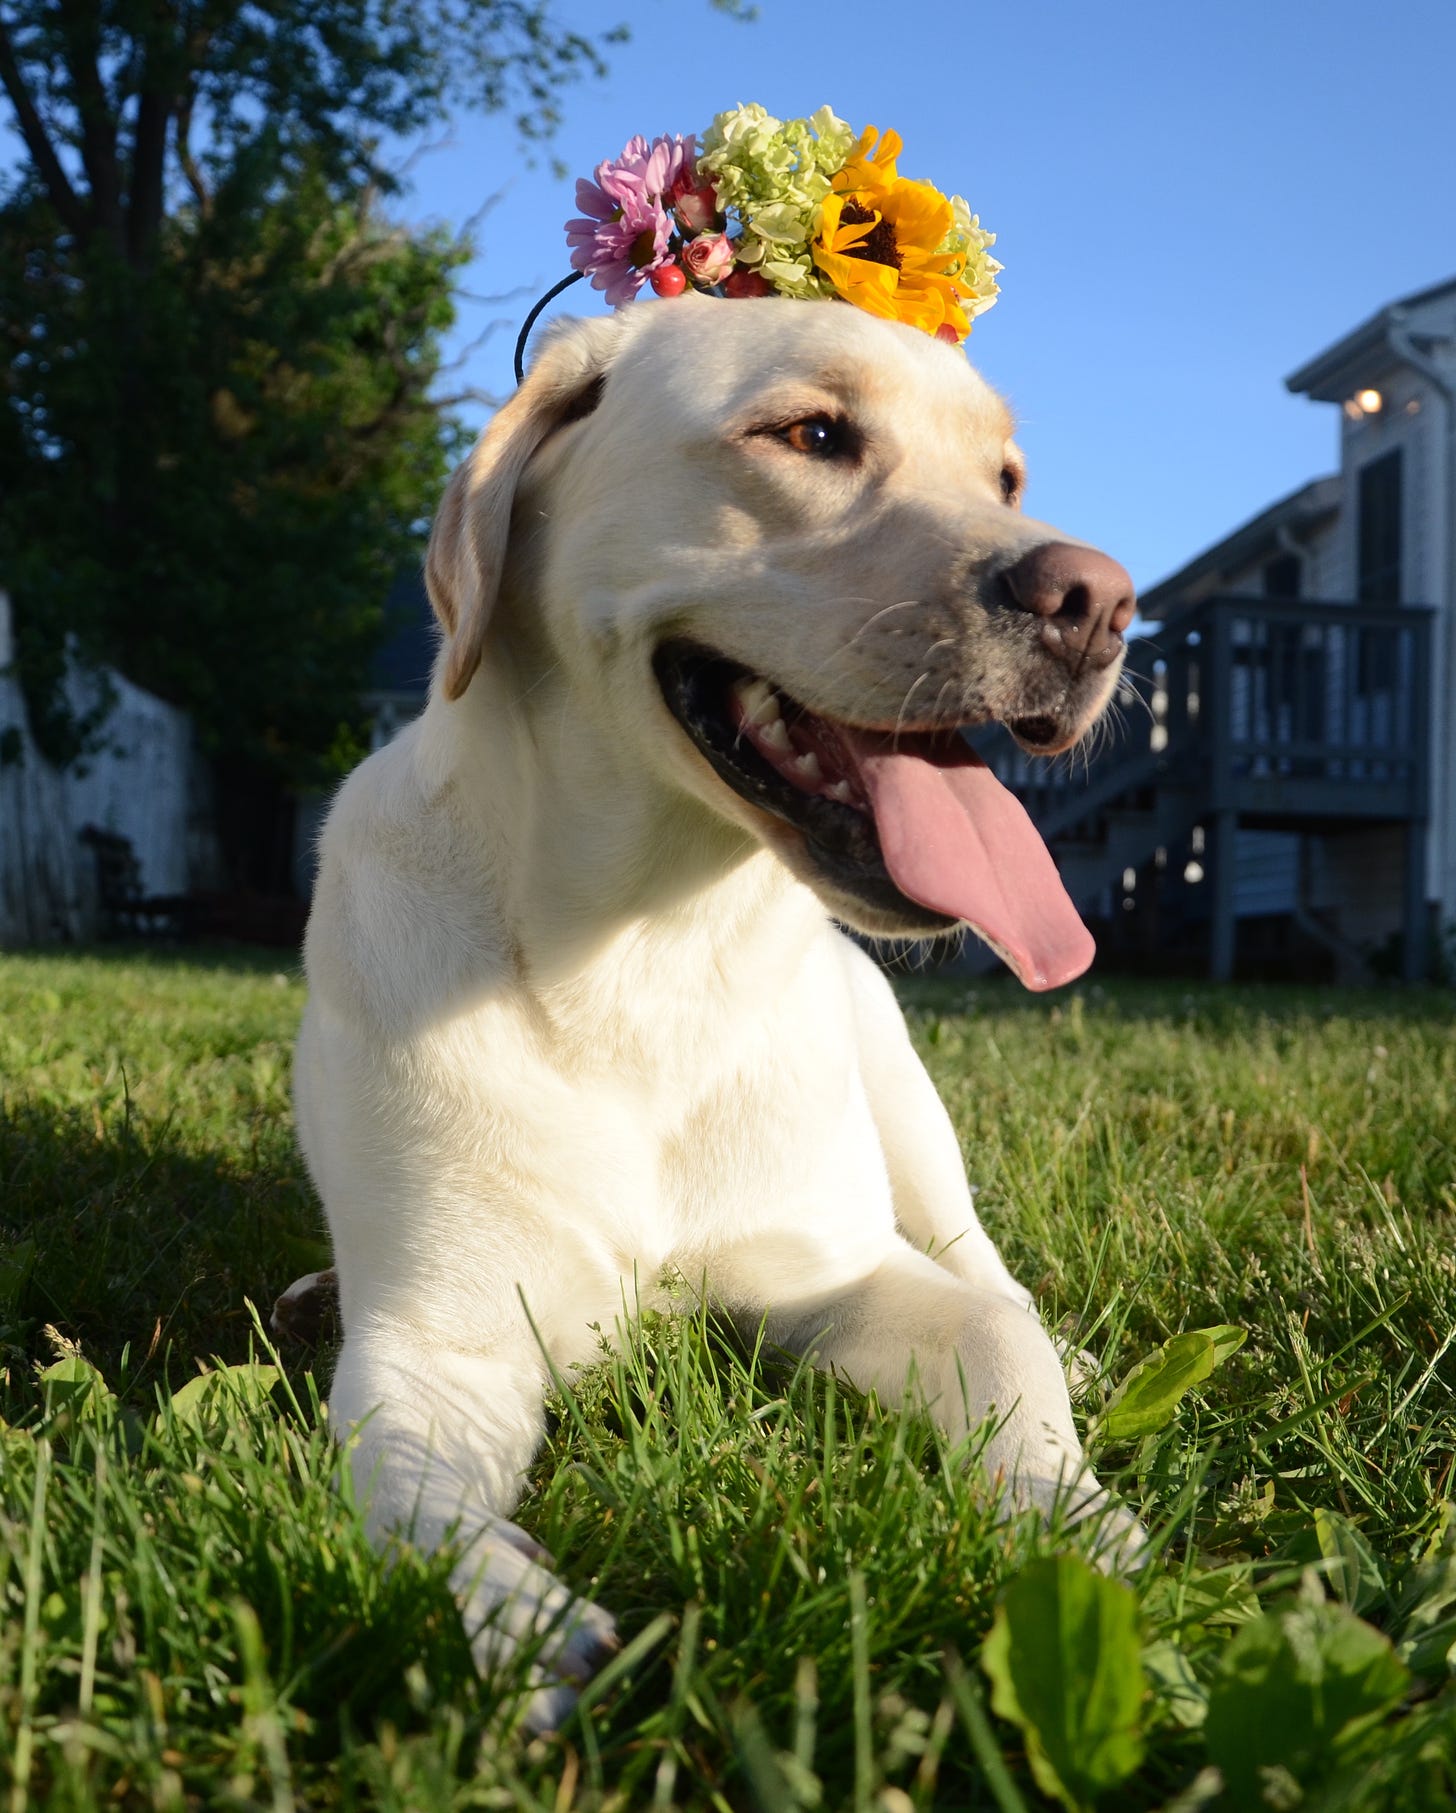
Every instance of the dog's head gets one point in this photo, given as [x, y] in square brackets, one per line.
[780, 547]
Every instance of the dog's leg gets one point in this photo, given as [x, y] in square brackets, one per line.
[933, 1205]
[941, 1298]
[975, 1352]
[438, 1441]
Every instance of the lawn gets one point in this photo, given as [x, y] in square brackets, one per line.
[820, 1609]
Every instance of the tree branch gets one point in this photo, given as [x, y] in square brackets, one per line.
[191, 169]
[63, 197]
[148, 166]
[162, 91]
[80, 26]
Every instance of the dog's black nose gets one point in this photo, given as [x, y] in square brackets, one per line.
[1085, 600]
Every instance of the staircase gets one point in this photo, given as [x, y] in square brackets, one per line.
[1263, 713]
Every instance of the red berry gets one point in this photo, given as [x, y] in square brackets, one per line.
[668, 280]
[746, 283]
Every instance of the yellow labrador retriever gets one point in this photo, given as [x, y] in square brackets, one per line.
[716, 588]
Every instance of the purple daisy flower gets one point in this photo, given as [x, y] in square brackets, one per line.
[626, 227]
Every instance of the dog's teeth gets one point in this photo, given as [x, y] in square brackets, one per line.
[755, 696]
[776, 735]
[807, 767]
[839, 790]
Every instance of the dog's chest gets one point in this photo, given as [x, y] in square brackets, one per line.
[758, 1117]
[722, 1097]
[768, 1148]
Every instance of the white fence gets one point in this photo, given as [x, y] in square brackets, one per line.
[137, 784]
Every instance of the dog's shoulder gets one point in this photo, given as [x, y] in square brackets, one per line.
[403, 902]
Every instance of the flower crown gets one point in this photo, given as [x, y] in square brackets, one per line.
[799, 208]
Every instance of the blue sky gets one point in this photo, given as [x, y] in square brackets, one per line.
[1190, 200]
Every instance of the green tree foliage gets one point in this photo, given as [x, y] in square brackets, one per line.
[217, 435]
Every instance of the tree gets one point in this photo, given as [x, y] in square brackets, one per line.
[217, 435]
[211, 474]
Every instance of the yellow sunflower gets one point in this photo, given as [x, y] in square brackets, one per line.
[885, 243]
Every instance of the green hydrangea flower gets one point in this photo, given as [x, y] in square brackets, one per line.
[773, 174]
[970, 244]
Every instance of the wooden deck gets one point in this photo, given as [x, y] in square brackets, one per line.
[1268, 713]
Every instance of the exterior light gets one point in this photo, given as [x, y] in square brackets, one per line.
[1370, 401]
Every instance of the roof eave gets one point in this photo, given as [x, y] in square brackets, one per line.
[1341, 369]
[1334, 374]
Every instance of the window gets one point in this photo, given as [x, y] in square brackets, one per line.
[1378, 552]
[1378, 565]
[1282, 576]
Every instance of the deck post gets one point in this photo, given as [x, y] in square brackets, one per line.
[1217, 711]
[1225, 830]
[1419, 679]
[1413, 941]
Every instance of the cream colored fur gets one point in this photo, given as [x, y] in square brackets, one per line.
[575, 1018]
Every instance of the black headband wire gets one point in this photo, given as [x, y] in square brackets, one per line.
[546, 300]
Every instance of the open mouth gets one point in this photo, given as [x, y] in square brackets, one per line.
[911, 824]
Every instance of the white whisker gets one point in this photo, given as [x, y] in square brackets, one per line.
[905, 702]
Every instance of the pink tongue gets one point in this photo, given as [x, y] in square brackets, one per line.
[956, 841]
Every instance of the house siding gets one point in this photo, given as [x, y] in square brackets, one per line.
[138, 784]
[1266, 873]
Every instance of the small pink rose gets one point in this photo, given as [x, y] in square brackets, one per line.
[709, 258]
[696, 209]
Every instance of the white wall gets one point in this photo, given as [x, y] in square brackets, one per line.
[137, 785]
[1415, 418]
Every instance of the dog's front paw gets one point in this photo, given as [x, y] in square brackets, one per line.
[512, 1602]
[1118, 1542]
[1121, 1544]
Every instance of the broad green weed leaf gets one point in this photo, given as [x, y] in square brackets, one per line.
[1227, 1340]
[223, 1392]
[1148, 1397]
[1425, 1613]
[1175, 1686]
[75, 1393]
[1351, 1569]
[1301, 1691]
[74, 1372]
[1223, 1595]
[1432, 1651]
[1065, 1663]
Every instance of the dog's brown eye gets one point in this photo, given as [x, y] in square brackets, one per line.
[819, 435]
[1010, 484]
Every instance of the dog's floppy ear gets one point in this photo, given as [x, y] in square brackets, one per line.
[467, 551]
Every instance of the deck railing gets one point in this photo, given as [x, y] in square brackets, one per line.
[1280, 710]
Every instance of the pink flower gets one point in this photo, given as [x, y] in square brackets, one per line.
[696, 209]
[625, 233]
[709, 258]
[672, 166]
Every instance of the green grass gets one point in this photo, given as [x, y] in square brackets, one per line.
[805, 1580]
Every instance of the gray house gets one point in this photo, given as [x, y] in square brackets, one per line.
[1283, 794]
